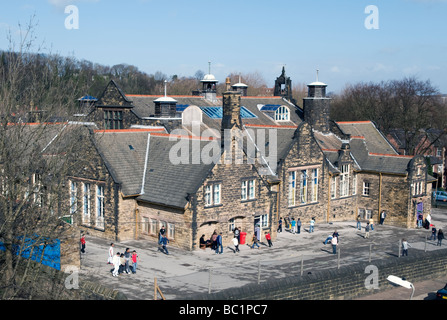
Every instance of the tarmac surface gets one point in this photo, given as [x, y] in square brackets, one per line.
[182, 273]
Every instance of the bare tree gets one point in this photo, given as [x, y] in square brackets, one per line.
[35, 159]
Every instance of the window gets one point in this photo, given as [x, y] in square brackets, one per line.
[212, 194]
[145, 225]
[354, 184]
[314, 185]
[439, 152]
[86, 203]
[153, 226]
[113, 119]
[418, 188]
[171, 231]
[263, 220]
[231, 225]
[303, 186]
[368, 214]
[366, 188]
[292, 188]
[100, 206]
[216, 195]
[248, 189]
[344, 180]
[73, 197]
[333, 187]
[282, 114]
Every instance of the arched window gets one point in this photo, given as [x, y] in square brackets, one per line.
[282, 114]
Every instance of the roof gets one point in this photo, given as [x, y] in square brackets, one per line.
[370, 150]
[126, 151]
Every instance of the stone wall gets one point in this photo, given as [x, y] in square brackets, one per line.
[345, 283]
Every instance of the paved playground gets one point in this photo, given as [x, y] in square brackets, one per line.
[182, 273]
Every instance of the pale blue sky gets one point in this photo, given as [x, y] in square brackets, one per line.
[180, 37]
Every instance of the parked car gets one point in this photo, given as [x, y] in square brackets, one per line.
[442, 293]
[440, 195]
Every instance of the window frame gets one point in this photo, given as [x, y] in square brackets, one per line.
[282, 114]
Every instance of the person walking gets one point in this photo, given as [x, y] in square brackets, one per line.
[334, 242]
[110, 258]
[298, 225]
[116, 264]
[367, 230]
[135, 260]
[382, 217]
[405, 246]
[293, 226]
[219, 244]
[161, 233]
[359, 224]
[164, 244]
[440, 237]
[83, 243]
[236, 244]
[279, 230]
[269, 239]
[255, 242]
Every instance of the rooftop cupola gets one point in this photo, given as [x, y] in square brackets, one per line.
[165, 107]
[209, 85]
[316, 106]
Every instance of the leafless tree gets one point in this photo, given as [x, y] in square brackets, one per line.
[36, 154]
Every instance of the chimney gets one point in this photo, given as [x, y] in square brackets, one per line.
[231, 110]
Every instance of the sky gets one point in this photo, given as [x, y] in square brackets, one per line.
[346, 40]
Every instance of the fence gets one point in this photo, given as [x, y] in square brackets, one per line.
[299, 266]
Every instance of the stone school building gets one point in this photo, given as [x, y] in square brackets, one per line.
[207, 162]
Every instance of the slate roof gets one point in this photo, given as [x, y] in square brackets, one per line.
[370, 150]
[165, 183]
[144, 107]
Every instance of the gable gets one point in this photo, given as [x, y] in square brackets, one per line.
[113, 97]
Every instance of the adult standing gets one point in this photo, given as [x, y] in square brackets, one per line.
[382, 217]
[219, 244]
[83, 243]
[279, 225]
[359, 224]
[298, 225]
[111, 256]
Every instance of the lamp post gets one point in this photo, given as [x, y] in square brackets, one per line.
[401, 282]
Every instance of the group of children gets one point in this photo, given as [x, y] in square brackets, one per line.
[122, 262]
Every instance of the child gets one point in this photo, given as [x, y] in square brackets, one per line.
[255, 242]
[269, 239]
[367, 230]
[135, 259]
[236, 244]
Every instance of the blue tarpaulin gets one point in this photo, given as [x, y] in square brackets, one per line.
[51, 256]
